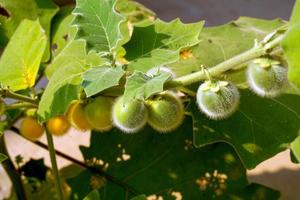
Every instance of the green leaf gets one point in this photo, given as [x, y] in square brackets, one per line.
[21, 58]
[295, 149]
[260, 129]
[141, 86]
[164, 165]
[93, 195]
[220, 43]
[64, 85]
[63, 33]
[97, 79]
[291, 46]
[160, 43]
[99, 24]
[44, 10]
[73, 53]
[2, 157]
[140, 197]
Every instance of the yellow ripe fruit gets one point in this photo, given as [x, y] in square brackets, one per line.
[77, 117]
[31, 129]
[58, 126]
[98, 113]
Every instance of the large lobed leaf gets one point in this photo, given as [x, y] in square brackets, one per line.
[160, 43]
[260, 129]
[44, 10]
[22, 56]
[165, 165]
[99, 24]
[291, 46]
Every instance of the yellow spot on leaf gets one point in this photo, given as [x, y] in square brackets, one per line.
[186, 54]
[252, 148]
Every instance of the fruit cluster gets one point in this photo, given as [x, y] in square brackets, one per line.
[220, 99]
[164, 112]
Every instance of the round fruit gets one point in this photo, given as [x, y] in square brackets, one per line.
[77, 117]
[130, 117]
[31, 129]
[218, 99]
[267, 78]
[98, 113]
[166, 112]
[58, 126]
[162, 69]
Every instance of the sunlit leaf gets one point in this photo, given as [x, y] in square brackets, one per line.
[64, 85]
[44, 10]
[21, 58]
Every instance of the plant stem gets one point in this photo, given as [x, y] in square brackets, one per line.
[12, 172]
[6, 93]
[256, 51]
[54, 164]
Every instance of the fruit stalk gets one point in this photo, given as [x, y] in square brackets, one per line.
[257, 51]
[54, 164]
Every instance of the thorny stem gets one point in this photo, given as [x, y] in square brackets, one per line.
[51, 150]
[257, 51]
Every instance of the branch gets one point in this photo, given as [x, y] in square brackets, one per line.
[7, 93]
[258, 50]
[20, 105]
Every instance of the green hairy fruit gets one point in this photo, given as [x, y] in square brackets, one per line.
[218, 99]
[166, 112]
[267, 78]
[129, 117]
